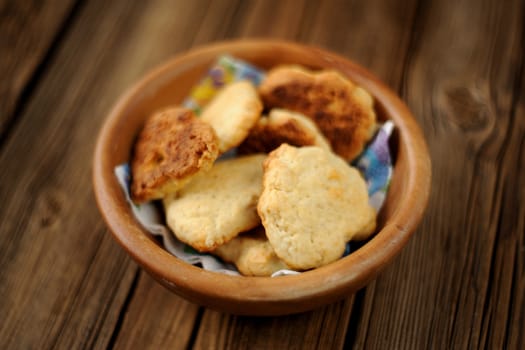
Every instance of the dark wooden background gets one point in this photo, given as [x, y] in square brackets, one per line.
[459, 64]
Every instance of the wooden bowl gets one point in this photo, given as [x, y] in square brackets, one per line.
[168, 85]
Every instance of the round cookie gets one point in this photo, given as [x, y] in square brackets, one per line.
[217, 205]
[233, 112]
[282, 126]
[251, 253]
[172, 147]
[342, 110]
[312, 203]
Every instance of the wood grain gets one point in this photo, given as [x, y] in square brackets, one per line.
[373, 33]
[157, 318]
[29, 31]
[455, 281]
[321, 329]
[510, 249]
[460, 283]
[63, 281]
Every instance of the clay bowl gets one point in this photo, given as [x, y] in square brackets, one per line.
[168, 85]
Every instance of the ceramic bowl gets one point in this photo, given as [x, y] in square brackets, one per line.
[168, 85]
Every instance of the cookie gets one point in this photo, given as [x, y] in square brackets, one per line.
[172, 147]
[217, 205]
[251, 253]
[342, 110]
[282, 126]
[233, 112]
[312, 203]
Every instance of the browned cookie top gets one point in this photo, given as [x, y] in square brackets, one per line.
[172, 147]
[282, 126]
[342, 110]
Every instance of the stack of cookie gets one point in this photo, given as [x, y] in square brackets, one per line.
[288, 198]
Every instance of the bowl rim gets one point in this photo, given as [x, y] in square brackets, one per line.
[328, 282]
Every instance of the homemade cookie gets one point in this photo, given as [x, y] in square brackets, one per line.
[252, 254]
[233, 112]
[282, 126]
[342, 110]
[217, 205]
[312, 203]
[172, 147]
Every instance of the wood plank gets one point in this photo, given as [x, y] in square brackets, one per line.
[461, 277]
[28, 31]
[157, 318]
[504, 311]
[374, 34]
[63, 281]
[320, 328]
[289, 19]
[231, 19]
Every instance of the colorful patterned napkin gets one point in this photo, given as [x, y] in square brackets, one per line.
[374, 163]
[226, 70]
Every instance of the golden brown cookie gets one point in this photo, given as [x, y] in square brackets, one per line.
[172, 147]
[251, 253]
[342, 110]
[217, 205]
[233, 112]
[312, 203]
[282, 126]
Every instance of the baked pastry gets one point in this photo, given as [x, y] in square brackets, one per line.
[172, 147]
[233, 112]
[342, 110]
[251, 253]
[282, 126]
[312, 203]
[217, 205]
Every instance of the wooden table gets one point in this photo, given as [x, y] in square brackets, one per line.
[460, 282]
